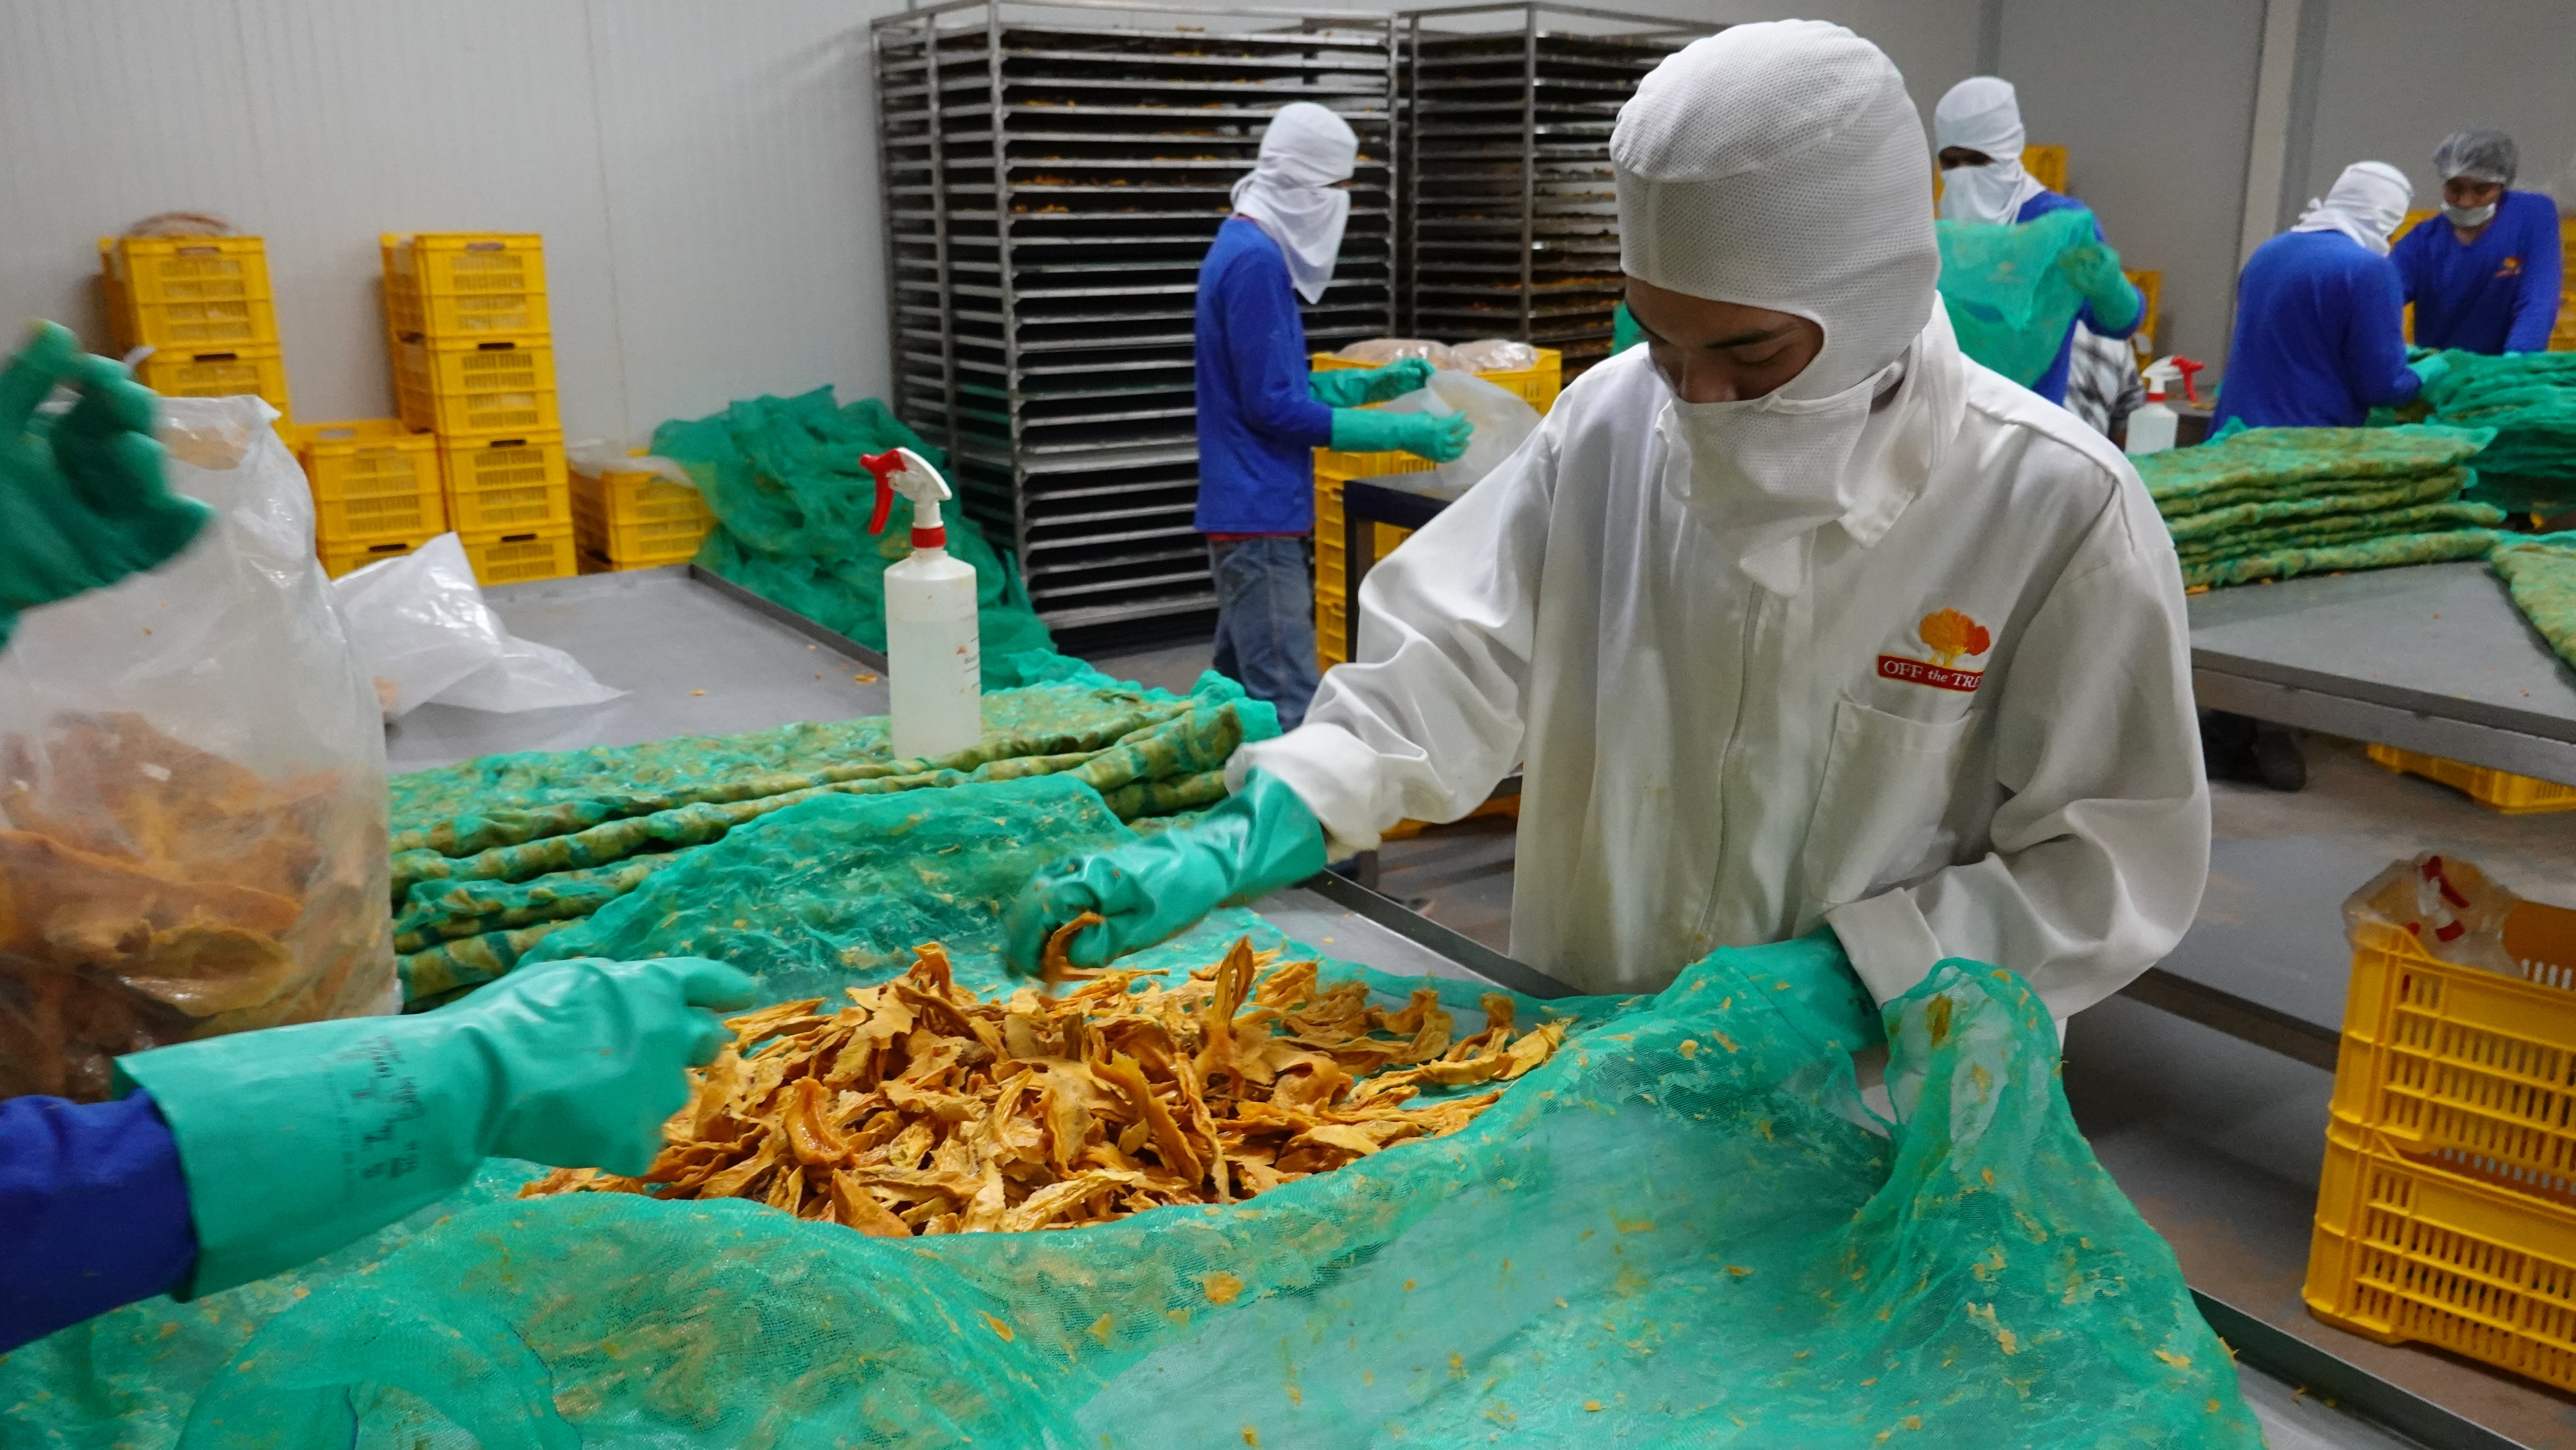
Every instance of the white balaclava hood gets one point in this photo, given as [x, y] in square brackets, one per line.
[1780, 164]
[1291, 193]
[2366, 204]
[1983, 113]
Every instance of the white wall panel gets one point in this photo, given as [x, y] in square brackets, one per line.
[2399, 77]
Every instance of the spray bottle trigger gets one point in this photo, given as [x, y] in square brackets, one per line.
[884, 466]
[2189, 370]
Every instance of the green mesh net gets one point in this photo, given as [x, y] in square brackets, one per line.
[494, 856]
[792, 505]
[2009, 301]
[1685, 1228]
[2275, 503]
[2540, 570]
[2529, 399]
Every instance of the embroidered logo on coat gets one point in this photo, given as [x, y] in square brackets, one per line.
[1951, 637]
[2512, 267]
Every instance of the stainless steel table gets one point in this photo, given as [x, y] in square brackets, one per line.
[696, 655]
[2433, 657]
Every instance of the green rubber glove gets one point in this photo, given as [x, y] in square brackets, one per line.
[2095, 270]
[82, 505]
[297, 1140]
[1262, 838]
[1350, 387]
[2431, 369]
[1624, 331]
[1439, 437]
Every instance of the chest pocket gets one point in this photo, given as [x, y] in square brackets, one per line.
[1878, 818]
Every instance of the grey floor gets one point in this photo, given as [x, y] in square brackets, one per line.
[2218, 1143]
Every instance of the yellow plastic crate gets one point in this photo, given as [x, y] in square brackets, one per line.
[673, 539]
[372, 478]
[2447, 1213]
[482, 386]
[639, 498]
[464, 284]
[340, 558]
[156, 271]
[509, 484]
[513, 556]
[2472, 1068]
[218, 374]
[2513, 795]
[2407, 1251]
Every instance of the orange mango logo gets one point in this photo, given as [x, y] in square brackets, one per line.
[1951, 636]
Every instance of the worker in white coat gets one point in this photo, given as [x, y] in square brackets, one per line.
[1793, 618]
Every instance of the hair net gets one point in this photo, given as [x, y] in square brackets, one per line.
[1983, 114]
[2478, 153]
[1780, 164]
[2366, 204]
[1291, 193]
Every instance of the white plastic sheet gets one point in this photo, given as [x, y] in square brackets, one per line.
[422, 629]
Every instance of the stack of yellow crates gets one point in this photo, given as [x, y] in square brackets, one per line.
[376, 490]
[636, 520]
[1537, 383]
[474, 363]
[202, 305]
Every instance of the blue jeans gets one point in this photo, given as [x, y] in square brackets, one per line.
[1265, 621]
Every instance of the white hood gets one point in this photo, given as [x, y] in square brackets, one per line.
[1780, 165]
[1983, 113]
[2366, 204]
[1291, 192]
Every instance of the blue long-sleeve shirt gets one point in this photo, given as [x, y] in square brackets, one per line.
[2319, 341]
[1257, 421]
[2497, 294]
[93, 1212]
[2052, 383]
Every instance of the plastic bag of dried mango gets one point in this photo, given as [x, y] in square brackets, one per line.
[1683, 1227]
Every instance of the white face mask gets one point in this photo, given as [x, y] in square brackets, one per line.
[1766, 470]
[2469, 217]
[1989, 193]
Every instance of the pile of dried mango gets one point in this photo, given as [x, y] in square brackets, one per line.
[922, 1109]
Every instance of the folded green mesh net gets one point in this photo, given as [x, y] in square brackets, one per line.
[493, 856]
[2276, 503]
[1687, 1227]
[2529, 400]
[792, 506]
[2009, 302]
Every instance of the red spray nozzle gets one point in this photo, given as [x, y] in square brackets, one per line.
[884, 466]
[2189, 370]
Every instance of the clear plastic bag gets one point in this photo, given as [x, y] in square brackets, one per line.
[1377, 352]
[421, 628]
[1494, 355]
[2443, 902]
[1504, 420]
[192, 787]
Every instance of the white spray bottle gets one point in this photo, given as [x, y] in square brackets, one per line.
[2151, 427]
[934, 660]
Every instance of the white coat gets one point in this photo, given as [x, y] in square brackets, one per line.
[1966, 731]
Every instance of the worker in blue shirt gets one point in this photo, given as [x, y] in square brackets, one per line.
[1262, 412]
[2484, 275]
[2319, 339]
[1978, 129]
[229, 1159]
